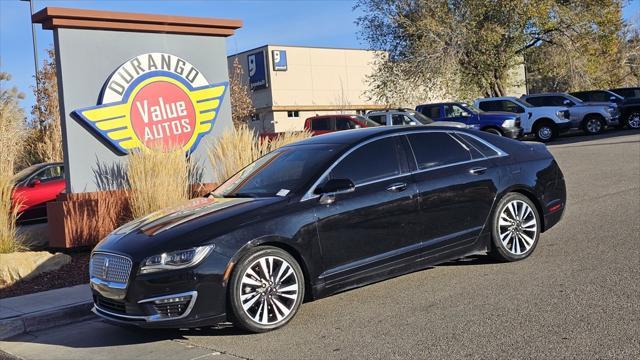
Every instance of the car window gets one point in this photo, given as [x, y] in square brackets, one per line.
[400, 119]
[585, 96]
[599, 96]
[380, 119]
[539, 100]
[433, 149]
[628, 93]
[373, 161]
[366, 122]
[501, 105]
[452, 110]
[484, 149]
[431, 111]
[323, 123]
[49, 173]
[344, 124]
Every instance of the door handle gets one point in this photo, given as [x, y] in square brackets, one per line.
[477, 170]
[397, 187]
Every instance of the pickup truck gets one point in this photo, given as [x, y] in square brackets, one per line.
[627, 99]
[543, 122]
[498, 123]
[592, 117]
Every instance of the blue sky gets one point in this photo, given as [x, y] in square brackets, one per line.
[294, 22]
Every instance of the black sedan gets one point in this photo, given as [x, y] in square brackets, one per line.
[324, 215]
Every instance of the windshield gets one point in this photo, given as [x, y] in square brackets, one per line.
[572, 98]
[23, 174]
[422, 118]
[522, 102]
[365, 121]
[473, 108]
[280, 173]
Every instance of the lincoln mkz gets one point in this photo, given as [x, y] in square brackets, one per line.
[324, 215]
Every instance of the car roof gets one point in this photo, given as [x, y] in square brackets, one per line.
[545, 94]
[355, 136]
[333, 115]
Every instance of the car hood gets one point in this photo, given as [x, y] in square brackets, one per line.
[189, 224]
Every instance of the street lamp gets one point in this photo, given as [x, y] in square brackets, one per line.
[35, 53]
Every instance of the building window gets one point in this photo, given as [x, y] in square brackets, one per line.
[293, 114]
[255, 117]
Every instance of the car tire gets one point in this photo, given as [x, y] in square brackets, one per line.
[633, 120]
[545, 131]
[493, 131]
[265, 290]
[516, 227]
[593, 125]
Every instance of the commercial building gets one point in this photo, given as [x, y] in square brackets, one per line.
[291, 83]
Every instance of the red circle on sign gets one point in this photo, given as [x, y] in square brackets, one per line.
[163, 116]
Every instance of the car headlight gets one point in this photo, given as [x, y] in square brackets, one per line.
[563, 114]
[175, 260]
[509, 123]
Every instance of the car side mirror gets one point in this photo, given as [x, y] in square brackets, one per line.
[34, 182]
[567, 103]
[333, 187]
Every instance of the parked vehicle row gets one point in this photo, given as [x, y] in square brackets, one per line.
[544, 116]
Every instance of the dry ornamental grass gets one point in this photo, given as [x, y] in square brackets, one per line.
[157, 180]
[239, 147]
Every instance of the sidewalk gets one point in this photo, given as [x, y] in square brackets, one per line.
[43, 310]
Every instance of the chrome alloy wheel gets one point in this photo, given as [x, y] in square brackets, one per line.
[269, 290]
[594, 126]
[517, 227]
[634, 121]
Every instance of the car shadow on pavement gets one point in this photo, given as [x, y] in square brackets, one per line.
[579, 136]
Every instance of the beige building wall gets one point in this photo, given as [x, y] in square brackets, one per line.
[317, 81]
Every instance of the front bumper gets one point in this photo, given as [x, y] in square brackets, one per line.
[169, 299]
[512, 132]
[564, 126]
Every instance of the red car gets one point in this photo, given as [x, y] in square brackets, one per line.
[324, 124]
[35, 187]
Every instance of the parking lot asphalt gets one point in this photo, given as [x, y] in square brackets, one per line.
[577, 296]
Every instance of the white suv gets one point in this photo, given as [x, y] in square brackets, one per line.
[544, 122]
[407, 117]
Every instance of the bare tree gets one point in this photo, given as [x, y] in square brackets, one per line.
[241, 104]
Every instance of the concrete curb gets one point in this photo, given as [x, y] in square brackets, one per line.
[45, 319]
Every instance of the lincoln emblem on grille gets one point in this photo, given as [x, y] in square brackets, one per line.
[106, 267]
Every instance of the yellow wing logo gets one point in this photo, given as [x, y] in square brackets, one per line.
[156, 110]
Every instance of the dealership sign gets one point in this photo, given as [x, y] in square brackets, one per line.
[153, 101]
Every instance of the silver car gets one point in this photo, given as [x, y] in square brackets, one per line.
[591, 117]
[408, 117]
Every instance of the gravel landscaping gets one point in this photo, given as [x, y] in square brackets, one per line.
[74, 273]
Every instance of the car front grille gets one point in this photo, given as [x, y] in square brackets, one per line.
[110, 267]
